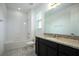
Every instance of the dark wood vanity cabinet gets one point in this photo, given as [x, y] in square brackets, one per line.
[48, 48]
[51, 52]
[61, 54]
[43, 46]
[77, 52]
[69, 51]
[42, 50]
[37, 46]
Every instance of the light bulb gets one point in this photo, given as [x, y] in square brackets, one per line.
[24, 23]
[19, 8]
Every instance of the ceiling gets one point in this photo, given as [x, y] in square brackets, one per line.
[24, 6]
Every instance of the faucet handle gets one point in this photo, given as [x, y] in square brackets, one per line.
[72, 34]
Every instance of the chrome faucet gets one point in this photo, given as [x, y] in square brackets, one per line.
[72, 34]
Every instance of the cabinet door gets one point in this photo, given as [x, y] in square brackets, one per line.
[67, 50]
[77, 52]
[51, 52]
[37, 47]
[61, 54]
[42, 49]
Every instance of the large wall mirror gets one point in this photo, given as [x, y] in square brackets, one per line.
[63, 19]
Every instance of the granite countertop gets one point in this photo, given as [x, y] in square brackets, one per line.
[65, 41]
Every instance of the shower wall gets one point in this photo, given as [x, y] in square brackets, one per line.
[16, 29]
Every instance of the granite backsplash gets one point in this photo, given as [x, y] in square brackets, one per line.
[63, 36]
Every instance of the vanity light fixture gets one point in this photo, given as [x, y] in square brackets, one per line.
[24, 23]
[19, 8]
[53, 5]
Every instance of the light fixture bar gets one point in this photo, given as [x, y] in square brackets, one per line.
[53, 5]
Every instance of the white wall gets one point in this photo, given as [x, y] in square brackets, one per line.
[2, 26]
[16, 29]
[75, 19]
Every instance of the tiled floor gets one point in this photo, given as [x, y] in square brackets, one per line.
[25, 51]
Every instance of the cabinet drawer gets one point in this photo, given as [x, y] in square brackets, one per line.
[67, 50]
